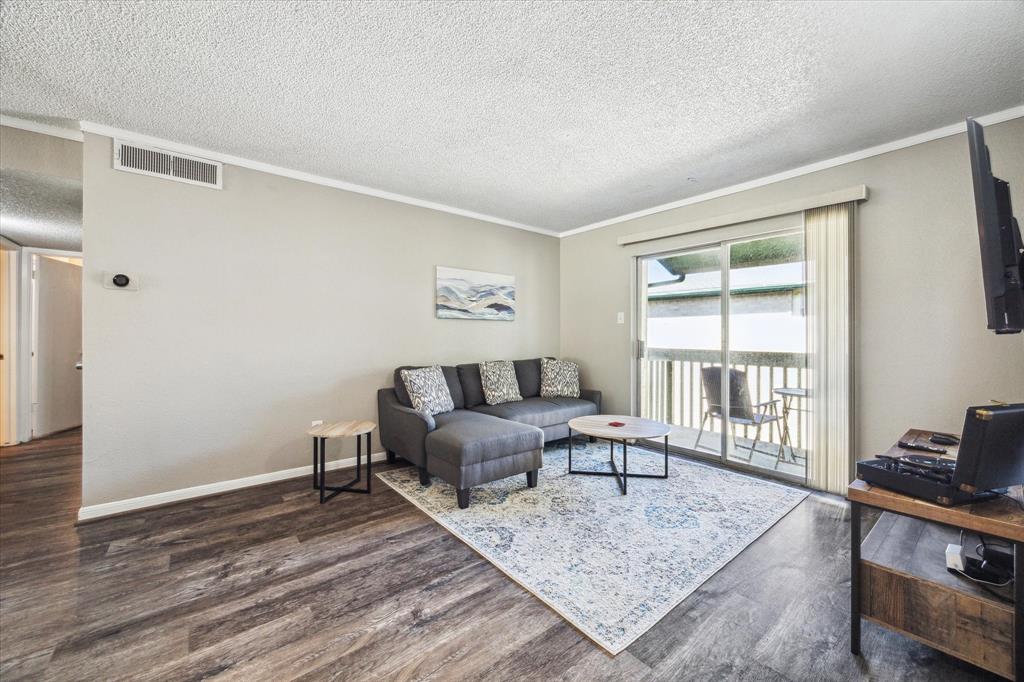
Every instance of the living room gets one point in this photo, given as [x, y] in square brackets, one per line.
[599, 303]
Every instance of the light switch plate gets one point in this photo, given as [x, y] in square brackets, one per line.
[620, 318]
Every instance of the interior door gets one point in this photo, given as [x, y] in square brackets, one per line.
[57, 346]
[8, 328]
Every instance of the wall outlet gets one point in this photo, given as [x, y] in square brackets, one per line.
[316, 422]
[620, 318]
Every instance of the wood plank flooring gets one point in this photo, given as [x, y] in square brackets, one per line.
[265, 584]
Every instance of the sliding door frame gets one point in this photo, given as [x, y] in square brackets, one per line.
[639, 342]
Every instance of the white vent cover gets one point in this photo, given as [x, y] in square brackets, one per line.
[136, 158]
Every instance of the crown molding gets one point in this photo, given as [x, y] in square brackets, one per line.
[938, 133]
[169, 145]
[42, 128]
[110, 131]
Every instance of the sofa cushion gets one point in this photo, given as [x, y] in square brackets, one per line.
[498, 378]
[464, 437]
[559, 379]
[428, 390]
[451, 377]
[528, 375]
[540, 411]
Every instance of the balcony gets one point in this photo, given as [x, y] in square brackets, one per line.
[673, 394]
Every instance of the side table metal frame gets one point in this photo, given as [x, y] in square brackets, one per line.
[319, 482]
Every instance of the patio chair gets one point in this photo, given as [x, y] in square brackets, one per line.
[741, 410]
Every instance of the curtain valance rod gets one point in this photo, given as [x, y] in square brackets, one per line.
[855, 193]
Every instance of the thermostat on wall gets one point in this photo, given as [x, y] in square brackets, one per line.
[121, 281]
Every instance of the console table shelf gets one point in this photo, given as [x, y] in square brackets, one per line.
[906, 587]
[899, 579]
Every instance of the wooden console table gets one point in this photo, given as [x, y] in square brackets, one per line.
[899, 579]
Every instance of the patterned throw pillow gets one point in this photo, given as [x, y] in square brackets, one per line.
[559, 379]
[428, 391]
[499, 382]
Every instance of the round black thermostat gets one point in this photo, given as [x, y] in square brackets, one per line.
[121, 280]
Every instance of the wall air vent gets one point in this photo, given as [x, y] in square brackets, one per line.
[136, 158]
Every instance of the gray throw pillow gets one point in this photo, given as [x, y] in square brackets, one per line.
[559, 379]
[499, 382]
[428, 391]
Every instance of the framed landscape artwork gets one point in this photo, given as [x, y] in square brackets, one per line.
[475, 295]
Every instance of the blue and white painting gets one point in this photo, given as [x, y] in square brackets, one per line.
[475, 295]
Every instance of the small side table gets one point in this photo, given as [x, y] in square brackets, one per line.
[790, 394]
[320, 435]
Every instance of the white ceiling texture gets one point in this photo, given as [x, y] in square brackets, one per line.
[552, 115]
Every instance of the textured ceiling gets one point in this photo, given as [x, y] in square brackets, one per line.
[554, 115]
[41, 210]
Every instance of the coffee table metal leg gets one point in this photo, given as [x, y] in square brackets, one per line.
[625, 467]
[316, 481]
[570, 450]
[666, 456]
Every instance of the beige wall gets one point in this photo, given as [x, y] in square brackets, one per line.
[922, 351]
[264, 306]
[28, 151]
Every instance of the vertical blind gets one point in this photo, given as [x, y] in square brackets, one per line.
[829, 245]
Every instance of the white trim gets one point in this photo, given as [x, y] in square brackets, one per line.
[42, 128]
[938, 133]
[839, 196]
[97, 511]
[127, 135]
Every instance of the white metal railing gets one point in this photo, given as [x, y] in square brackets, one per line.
[672, 392]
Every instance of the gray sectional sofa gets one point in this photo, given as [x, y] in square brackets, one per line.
[476, 442]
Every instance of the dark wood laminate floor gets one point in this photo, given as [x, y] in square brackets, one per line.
[264, 583]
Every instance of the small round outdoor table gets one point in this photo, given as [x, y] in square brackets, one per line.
[320, 436]
[633, 429]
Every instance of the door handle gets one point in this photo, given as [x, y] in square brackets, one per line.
[78, 365]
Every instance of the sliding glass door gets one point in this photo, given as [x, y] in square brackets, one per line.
[722, 352]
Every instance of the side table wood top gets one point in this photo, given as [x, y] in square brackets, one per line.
[342, 429]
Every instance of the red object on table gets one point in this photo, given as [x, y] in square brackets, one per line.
[616, 423]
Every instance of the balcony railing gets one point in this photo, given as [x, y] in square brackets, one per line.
[672, 391]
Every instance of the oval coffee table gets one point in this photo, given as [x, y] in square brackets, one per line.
[633, 429]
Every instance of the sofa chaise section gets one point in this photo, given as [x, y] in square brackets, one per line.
[477, 443]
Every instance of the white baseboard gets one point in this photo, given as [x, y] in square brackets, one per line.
[98, 511]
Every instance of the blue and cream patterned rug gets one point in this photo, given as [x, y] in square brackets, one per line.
[611, 565]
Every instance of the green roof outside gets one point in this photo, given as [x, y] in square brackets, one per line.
[771, 251]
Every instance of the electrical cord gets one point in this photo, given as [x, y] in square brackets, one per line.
[1009, 497]
[985, 584]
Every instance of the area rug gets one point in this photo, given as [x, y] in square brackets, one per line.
[612, 565]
